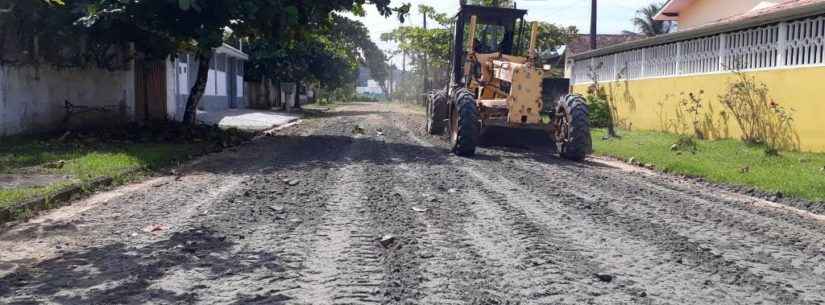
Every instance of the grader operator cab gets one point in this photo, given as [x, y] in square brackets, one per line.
[490, 86]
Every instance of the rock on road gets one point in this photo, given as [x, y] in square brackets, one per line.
[321, 213]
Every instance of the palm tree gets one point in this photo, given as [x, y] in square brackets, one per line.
[647, 25]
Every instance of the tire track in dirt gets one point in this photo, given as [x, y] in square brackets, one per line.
[319, 228]
[530, 269]
[347, 265]
[672, 286]
[469, 258]
[764, 252]
[269, 222]
[342, 266]
[453, 269]
[643, 270]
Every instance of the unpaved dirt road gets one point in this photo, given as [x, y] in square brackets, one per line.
[318, 214]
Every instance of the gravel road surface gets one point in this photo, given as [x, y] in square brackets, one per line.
[327, 213]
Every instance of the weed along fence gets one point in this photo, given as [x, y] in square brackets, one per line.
[718, 81]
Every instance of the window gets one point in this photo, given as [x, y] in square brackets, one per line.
[221, 62]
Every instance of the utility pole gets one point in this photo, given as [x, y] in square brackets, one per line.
[593, 36]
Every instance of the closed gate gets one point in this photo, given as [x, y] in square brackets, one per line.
[150, 90]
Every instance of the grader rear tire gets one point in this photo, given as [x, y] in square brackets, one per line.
[573, 140]
[436, 112]
[464, 125]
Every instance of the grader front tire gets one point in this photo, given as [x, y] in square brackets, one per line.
[464, 125]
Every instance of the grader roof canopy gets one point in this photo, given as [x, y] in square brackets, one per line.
[505, 18]
[491, 15]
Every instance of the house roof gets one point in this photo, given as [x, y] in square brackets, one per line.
[231, 51]
[766, 10]
[787, 10]
[581, 43]
[670, 11]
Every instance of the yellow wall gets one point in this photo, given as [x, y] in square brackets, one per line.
[650, 104]
[701, 12]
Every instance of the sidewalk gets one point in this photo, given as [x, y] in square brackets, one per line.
[247, 119]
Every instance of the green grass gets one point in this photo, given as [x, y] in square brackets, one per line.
[83, 161]
[792, 173]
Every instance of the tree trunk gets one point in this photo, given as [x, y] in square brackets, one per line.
[196, 93]
[611, 131]
[611, 123]
[297, 99]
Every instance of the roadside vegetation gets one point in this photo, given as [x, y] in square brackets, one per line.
[735, 162]
[32, 167]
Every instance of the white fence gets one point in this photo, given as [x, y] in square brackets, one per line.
[786, 44]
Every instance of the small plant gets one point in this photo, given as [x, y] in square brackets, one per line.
[691, 105]
[685, 143]
[761, 119]
[771, 151]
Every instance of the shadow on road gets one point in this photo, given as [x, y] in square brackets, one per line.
[276, 153]
[116, 274]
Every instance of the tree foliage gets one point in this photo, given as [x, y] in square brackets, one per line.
[418, 44]
[645, 23]
[329, 55]
[34, 32]
[550, 38]
[163, 27]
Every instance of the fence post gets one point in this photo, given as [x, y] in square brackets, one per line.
[678, 58]
[572, 72]
[722, 50]
[643, 64]
[782, 45]
[593, 73]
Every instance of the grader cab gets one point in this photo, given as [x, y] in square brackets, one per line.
[492, 86]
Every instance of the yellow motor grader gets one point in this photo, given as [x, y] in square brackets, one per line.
[492, 87]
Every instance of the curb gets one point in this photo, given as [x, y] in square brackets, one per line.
[58, 199]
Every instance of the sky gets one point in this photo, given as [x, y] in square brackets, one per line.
[614, 15]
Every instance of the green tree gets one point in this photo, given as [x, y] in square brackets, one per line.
[329, 55]
[417, 44]
[165, 27]
[35, 32]
[550, 37]
[645, 23]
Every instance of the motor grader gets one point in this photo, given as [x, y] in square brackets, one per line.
[491, 87]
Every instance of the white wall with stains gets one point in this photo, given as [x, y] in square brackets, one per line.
[32, 99]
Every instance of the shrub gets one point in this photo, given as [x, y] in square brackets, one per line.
[685, 143]
[761, 119]
[598, 107]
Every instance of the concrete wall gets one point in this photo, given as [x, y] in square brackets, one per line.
[701, 12]
[32, 100]
[652, 104]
